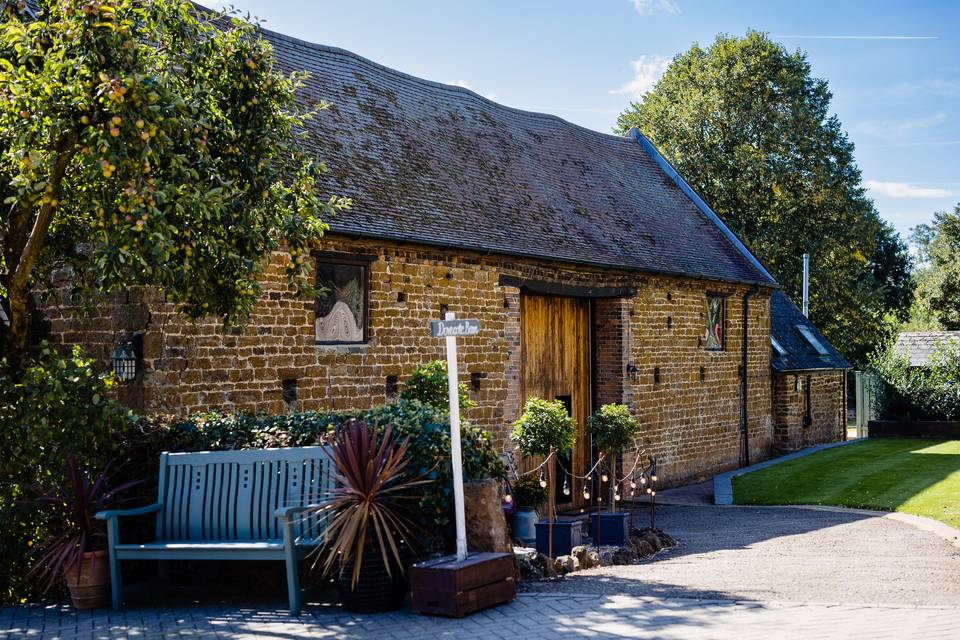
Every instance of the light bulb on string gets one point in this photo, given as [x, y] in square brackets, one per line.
[508, 498]
[586, 494]
[566, 487]
[633, 485]
[648, 489]
[616, 497]
[604, 478]
[643, 479]
[543, 481]
[653, 478]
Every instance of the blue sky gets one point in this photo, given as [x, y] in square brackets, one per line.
[893, 67]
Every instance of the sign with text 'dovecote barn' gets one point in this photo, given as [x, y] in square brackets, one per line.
[454, 328]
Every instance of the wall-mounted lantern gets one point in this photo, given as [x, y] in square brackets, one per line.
[633, 372]
[126, 358]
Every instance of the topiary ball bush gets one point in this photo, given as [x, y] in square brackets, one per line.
[612, 428]
[544, 426]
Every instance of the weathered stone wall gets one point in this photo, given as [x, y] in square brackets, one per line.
[690, 417]
[687, 398]
[827, 414]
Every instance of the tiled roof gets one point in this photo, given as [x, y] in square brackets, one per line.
[920, 345]
[441, 165]
[800, 354]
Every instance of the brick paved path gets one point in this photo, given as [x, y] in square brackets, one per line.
[532, 615]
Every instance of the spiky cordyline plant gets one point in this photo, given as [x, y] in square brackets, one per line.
[75, 502]
[366, 506]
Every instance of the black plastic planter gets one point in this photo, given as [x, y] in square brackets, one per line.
[610, 529]
[376, 590]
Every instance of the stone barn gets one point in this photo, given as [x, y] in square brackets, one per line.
[809, 381]
[596, 272]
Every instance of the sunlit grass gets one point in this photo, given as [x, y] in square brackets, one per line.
[915, 476]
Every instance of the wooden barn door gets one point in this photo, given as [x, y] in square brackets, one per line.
[555, 351]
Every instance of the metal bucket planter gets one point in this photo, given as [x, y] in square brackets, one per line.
[524, 524]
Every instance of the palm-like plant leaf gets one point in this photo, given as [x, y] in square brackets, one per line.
[74, 504]
[366, 506]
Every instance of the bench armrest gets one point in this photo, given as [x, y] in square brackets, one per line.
[285, 513]
[114, 513]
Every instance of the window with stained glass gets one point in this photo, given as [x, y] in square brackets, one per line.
[716, 322]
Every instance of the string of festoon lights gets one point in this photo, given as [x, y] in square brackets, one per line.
[647, 478]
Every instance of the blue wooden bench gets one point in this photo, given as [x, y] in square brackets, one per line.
[231, 505]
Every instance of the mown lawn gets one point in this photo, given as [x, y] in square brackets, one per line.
[909, 475]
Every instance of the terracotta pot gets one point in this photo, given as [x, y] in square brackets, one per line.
[90, 589]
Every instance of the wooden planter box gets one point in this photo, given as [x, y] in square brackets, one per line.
[610, 529]
[447, 587]
[567, 534]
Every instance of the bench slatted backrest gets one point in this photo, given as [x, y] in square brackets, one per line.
[232, 495]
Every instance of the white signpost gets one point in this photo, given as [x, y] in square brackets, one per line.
[437, 587]
[450, 328]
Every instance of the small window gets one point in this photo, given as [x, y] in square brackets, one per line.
[341, 302]
[779, 347]
[812, 339]
[716, 322]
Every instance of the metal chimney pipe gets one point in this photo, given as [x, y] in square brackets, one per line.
[806, 285]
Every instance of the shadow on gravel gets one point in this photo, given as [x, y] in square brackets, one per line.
[701, 529]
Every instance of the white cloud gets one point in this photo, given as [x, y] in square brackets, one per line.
[465, 85]
[647, 7]
[901, 130]
[905, 190]
[946, 87]
[646, 71]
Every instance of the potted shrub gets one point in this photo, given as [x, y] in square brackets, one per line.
[369, 533]
[528, 495]
[77, 554]
[612, 429]
[545, 428]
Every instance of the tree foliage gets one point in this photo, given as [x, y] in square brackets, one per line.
[750, 129]
[938, 286]
[148, 143]
[545, 426]
[612, 428]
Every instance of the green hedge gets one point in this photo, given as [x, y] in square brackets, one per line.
[427, 428]
[931, 392]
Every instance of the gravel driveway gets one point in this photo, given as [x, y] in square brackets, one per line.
[785, 554]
